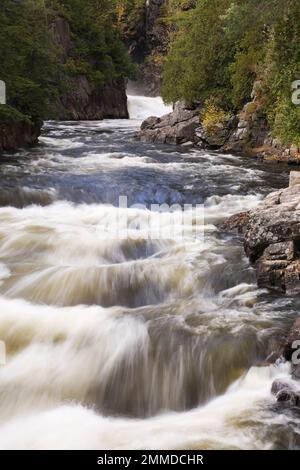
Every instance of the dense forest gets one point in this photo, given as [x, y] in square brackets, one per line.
[216, 50]
[222, 47]
[31, 64]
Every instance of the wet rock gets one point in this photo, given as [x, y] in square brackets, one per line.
[174, 128]
[215, 138]
[284, 392]
[150, 123]
[278, 386]
[288, 391]
[272, 240]
[274, 350]
[296, 372]
[288, 396]
[236, 223]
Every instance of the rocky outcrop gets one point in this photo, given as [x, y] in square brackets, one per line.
[245, 133]
[252, 136]
[16, 135]
[217, 136]
[286, 392]
[250, 130]
[272, 238]
[80, 100]
[175, 128]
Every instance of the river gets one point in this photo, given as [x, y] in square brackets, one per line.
[135, 342]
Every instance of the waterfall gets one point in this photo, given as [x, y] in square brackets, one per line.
[142, 107]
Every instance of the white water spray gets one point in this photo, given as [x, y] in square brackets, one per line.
[142, 107]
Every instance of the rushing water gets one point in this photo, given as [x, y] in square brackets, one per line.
[137, 342]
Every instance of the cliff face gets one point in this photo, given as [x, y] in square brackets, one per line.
[80, 100]
[147, 40]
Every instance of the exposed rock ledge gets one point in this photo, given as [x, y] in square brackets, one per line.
[272, 238]
[178, 127]
[245, 133]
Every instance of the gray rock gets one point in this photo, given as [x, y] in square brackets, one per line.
[175, 128]
[294, 178]
[278, 386]
[215, 138]
[150, 123]
[272, 238]
[289, 396]
[236, 223]
[284, 392]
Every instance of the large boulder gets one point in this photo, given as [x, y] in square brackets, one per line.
[286, 393]
[272, 239]
[214, 139]
[174, 128]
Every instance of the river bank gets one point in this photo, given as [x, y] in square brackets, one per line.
[271, 237]
[245, 133]
[271, 234]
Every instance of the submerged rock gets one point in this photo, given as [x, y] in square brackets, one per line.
[284, 392]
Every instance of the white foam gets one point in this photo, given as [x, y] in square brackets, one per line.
[142, 107]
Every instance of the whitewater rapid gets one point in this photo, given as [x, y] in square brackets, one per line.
[136, 342]
[141, 107]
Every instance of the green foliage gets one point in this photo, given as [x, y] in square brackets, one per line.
[222, 47]
[283, 66]
[197, 65]
[33, 68]
[9, 115]
[98, 50]
[213, 116]
[27, 58]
